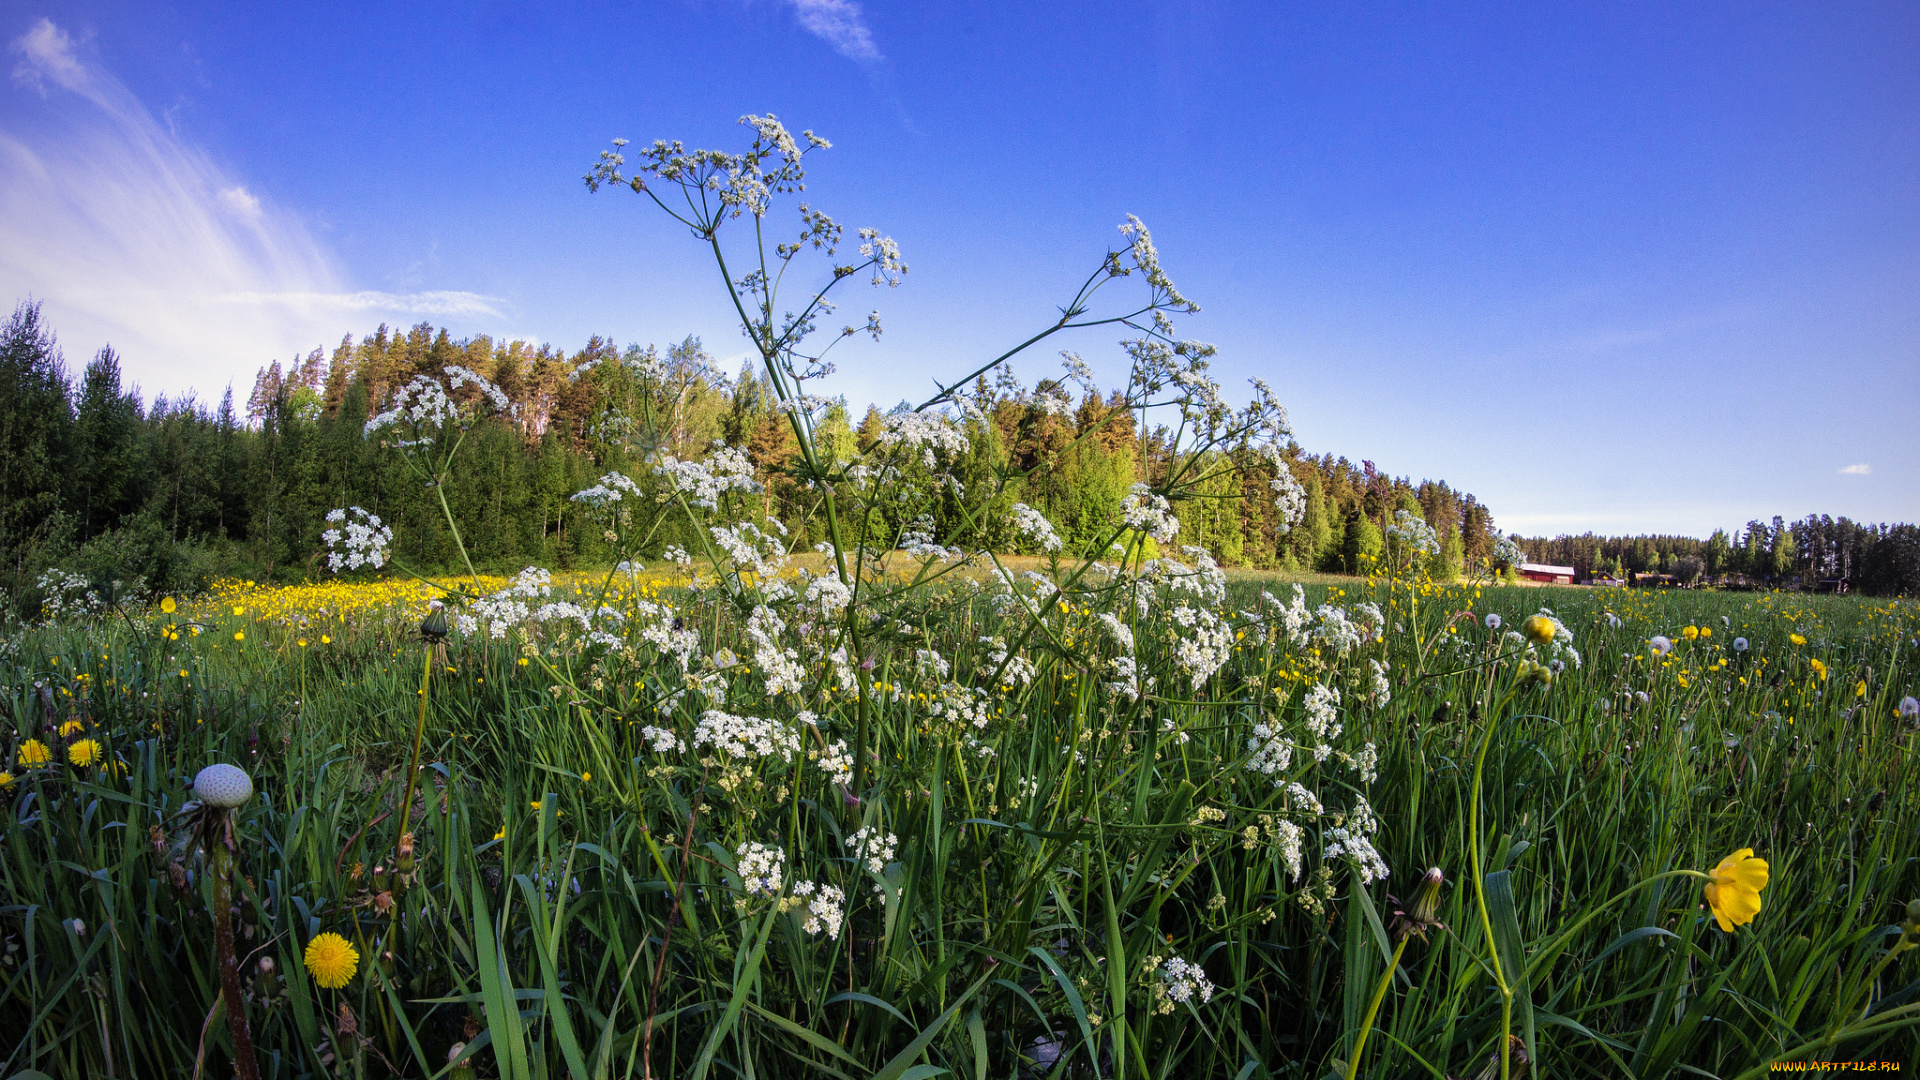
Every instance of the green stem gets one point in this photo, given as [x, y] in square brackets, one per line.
[1480, 889]
[413, 766]
[440, 489]
[1373, 1009]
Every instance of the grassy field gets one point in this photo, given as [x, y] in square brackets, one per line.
[1054, 879]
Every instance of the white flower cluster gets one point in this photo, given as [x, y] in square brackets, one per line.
[1382, 690]
[1291, 836]
[753, 551]
[1323, 715]
[1352, 844]
[1205, 644]
[611, 489]
[1150, 514]
[1289, 498]
[761, 868]
[828, 595]
[1411, 535]
[960, 705]
[1180, 982]
[825, 908]
[509, 607]
[837, 762]
[745, 738]
[1301, 801]
[873, 847]
[779, 666]
[924, 433]
[726, 469]
[423, 403]
[459, 376]
[67, 595]
[1034, 526]
[358, 539]
[1505, 551]
[661, 740]
[1272, 753]
[662, 628]
[1019, 670]
[1367, 764]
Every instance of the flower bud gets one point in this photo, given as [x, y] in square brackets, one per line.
[434, 626]
[1539, 628]
[1426, 902]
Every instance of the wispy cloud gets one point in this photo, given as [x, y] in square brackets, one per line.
[131, 235]
[838, 23]
[1862, 469]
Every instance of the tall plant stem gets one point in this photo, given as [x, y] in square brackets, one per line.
[1373, 1009]
[1480, 890]
[244, 1065]
[413, 766]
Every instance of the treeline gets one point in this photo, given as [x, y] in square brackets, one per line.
[169, 494]
[1817, 552]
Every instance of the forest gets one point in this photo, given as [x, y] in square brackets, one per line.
[170, 494]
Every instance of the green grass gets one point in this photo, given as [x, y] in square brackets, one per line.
[1040, 867]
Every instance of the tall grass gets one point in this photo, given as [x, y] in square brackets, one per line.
[575, 908]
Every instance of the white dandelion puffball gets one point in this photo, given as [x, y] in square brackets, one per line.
[223, 786]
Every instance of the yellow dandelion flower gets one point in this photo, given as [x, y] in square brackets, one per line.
[1733, 889]
[84, 753]
[332, 960]
[239, 635]
[6, 780]
[71, 728]
[1860, 688]
[33, 753]
[1539, 628]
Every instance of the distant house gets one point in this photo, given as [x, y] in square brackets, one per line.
[1551, 575]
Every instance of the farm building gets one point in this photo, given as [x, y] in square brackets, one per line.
[1552, 575]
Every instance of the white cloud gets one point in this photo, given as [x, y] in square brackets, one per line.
[420, 303]
[1862, 469]
[838, 23]
[131, 236]
[243, 202]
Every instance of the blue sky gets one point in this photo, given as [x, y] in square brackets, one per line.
[1655, 268]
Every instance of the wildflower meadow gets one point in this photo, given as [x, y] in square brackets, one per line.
[875, 804]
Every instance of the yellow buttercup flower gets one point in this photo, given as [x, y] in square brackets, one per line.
[33, 753]
[332, 960]
[1796, 639]
[1690, 633]
[84, 753]
[1819, 669]
[1733, 889]
[167, 605]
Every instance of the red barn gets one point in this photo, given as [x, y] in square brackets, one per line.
[1551, 575]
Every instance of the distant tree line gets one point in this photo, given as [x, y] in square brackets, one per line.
[169, 494]
[1817, 552]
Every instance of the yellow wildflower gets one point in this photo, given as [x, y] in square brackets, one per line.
[33, 753]
[84, 753]
[1733, 889]
[1690, 633]
[167, 605]
[332, 960]
[71, 728]
[6, 780]
[1539, 628]
[1819, 669]
[1796, 639]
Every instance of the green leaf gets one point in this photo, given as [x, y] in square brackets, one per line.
[1513, 955]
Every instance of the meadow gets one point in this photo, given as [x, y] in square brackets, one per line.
[1018, 891]
[899, 807]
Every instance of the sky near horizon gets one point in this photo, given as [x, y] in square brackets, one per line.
[1651, 268]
